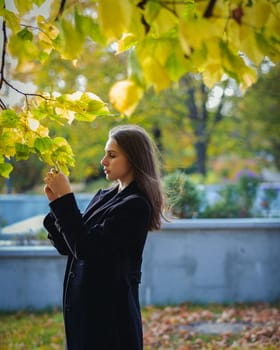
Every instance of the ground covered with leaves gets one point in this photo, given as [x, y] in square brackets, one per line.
[184, 327]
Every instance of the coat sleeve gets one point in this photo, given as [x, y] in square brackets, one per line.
[55, 235]
[123, 226]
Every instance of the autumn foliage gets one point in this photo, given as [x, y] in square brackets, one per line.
[163, 40]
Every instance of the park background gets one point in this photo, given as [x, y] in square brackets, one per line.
[215, 121]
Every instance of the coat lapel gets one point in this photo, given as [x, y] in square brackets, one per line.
[107, 200]
[98, 201]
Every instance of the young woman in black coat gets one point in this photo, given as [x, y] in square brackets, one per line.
[104, 244]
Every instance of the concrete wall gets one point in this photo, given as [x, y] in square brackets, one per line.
[200, 261]
[203, 261]
[17, 207]
[31, 277]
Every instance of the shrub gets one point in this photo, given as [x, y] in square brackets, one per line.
[236, 200]
[226, 207]
[183, 198]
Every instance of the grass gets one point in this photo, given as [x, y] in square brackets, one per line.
[31, 331]
[163, 328]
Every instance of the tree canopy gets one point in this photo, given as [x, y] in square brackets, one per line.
[163, 40]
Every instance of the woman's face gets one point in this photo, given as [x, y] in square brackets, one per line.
[115, 164]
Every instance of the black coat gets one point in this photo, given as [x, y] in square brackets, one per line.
[104, 247]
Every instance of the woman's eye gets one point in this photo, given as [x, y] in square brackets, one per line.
[111, 155]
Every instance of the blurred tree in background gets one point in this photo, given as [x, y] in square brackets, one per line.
[258, 116]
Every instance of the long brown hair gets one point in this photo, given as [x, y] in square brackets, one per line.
[142, 155]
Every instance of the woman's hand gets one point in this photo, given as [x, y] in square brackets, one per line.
[49, 193]
[57, 185]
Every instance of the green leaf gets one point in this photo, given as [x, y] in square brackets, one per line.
[23, 6]
[62, 156]
[152, 9]
[25, 34]
[95, 33]
[39, 2]
[176, 64]
[43, 144]
[85, 105]
[60, 141]
[7, 143]
[26, 52]
[12, 21]
[22, 151]
[189, 9]
[134, 68]
[9, 119]
[86, 26]
[71, 41]
[231, 62]
[43, 56]
[5, 169]
[127, 41]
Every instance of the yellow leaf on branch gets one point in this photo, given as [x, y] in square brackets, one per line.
[47, 34]
[125, 96]
[256, 16]
[11, 19]
[160, 19]
[126, 41]
[211, 74]
[155, 74]
[115, 17]
[70, 43]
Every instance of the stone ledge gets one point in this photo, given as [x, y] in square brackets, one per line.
[229, 224]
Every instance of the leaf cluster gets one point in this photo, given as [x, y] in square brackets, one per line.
[24, 130]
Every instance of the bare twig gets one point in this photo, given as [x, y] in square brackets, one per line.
[25, 94]
[4, 30]
[33, 28]
[2, 104]
[3, 79]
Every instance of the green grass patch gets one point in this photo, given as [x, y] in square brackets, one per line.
[31, 331]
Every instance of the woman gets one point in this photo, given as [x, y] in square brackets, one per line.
[105, 244]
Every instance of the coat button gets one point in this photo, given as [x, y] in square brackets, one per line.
[67, 308]
[72, 274]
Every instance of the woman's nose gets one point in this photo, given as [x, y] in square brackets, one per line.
[103, 161]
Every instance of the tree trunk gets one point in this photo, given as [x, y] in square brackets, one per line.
[201, 157]
[199, 117]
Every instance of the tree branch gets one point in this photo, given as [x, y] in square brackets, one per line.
[2, 104]
[61, 9]
[3, 79]
[4, 30]
[209, 10]
[25, 94]
[33, 28]
[218, 115]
